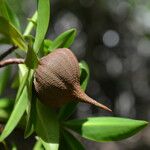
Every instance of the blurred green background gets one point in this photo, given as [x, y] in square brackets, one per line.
[114, 39]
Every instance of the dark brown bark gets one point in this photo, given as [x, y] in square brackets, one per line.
[10, 50]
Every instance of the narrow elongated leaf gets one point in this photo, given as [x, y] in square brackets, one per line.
[38, 145]
[68, 109]
[31, 59]
[4, 40]
[42, 23]
[3, 9]
[22, 71]
[64, 40]
[49, 146]
[7, 13]
[84, 74]
[4, 78]
[23, 83]
[19, 108]
[31, 116]
[29, 110]
[12, 33]
[106, 128]
[47, 125]
[15, 83]
[13, 17]
[70, 142]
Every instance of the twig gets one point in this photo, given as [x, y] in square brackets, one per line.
[30, 24]
[11, 61]
[10, 50]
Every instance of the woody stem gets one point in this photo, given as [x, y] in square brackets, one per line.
[11, 61]
[10, 50]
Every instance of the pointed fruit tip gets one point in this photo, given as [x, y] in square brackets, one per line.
[82, 97]
[108, 109]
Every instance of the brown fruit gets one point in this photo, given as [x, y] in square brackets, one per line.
[57, 80]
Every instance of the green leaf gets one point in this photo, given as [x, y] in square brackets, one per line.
[49, 146]
[4, 114]
[38, 145]
[22, 71]
[15, 83]
[14, 147]
[4, 40]
[6, 106]
[3, 9]
[47, 125]
[12, 33]
[31, 59]
[23, 82]
[84, 74]
[46, 46]
[42, 23]
[19, 108]
[31, 116]
[6, 103]
[4, 78]
[70, 142]
[29, 110]
[69, 108]
[64, 40]
[106, 128]
[7, 13]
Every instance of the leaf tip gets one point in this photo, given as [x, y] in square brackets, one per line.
[144, 123]
[73, 30]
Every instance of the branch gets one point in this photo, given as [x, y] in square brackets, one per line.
[10, 50]
[11, 61]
